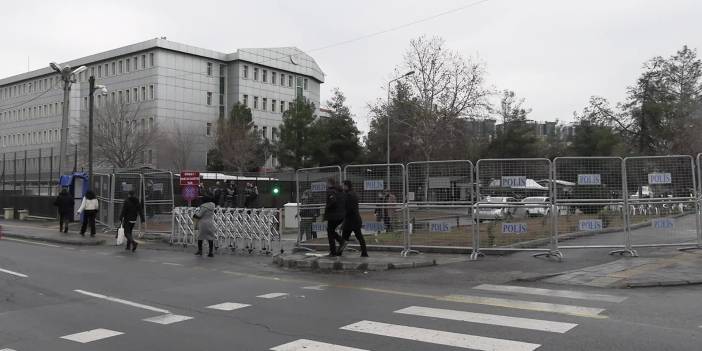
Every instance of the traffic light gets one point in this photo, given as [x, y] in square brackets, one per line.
[275, 190]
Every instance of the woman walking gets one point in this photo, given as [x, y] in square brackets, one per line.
[205, 222]
[64, 203]
[130, 211]
[89, 208]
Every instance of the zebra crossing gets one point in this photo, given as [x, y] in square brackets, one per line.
[438, 338]
[511, 298]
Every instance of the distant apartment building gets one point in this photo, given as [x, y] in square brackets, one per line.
[177, 86]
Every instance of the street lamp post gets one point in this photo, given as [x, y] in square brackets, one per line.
[67, 75]
[388, 113]
[91, 99]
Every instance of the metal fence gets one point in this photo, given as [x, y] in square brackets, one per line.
[236, 229]
[311, 190]
[381, 191]
[661, 193]
[699, 200]
[29, 172]
[158, 201]
[514, 195]
[589, 200]
[439, 204]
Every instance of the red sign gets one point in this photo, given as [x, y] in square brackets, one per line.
[189, 178]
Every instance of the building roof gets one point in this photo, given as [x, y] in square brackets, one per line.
[285, 58]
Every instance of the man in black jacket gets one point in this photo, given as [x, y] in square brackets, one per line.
[64, 203]
[130, 211]
[352, 221]
[334, 213]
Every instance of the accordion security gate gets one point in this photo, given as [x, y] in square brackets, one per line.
[236, 229]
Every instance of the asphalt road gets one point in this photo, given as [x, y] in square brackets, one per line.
[62, 298]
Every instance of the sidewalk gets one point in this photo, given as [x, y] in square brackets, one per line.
[655, 267]
[48, 231]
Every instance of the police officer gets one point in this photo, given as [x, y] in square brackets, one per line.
[352, 221]
[334, 213]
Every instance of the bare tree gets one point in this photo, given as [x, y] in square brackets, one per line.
[447, 88]
[181, 145]
[121, 135]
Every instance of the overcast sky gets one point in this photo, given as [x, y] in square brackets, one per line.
[554, 53]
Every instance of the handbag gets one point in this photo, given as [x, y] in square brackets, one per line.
[120, 235]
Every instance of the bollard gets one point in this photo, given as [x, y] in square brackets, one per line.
[23, 214]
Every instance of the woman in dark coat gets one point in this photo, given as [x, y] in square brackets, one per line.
[205, 222]
[64, 204]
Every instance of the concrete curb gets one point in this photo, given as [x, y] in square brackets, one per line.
[78, 242]
[658, 284]
[326, 264]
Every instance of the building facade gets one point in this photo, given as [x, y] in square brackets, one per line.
[178, 89]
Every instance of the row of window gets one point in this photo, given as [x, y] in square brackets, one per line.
[263, 132]
[25, 113]
[127, 96]
[302, 82]
[35, 86]
[33, 138]
[125, 65]
[263, 104]
[115, 68]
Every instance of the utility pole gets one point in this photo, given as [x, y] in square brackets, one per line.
[91, 107]
[67, 76]
[90, 132]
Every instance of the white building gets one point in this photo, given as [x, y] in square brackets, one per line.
[176, 85]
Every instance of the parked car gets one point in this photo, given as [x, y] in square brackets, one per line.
[494, 212]
[532, 211]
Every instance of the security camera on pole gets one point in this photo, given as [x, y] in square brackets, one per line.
[68, 77]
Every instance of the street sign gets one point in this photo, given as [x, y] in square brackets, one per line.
[189, 192]
[189, 178]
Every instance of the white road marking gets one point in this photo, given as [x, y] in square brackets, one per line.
[124, 302]
[29, 242]
[528, 305]
[310, 345]
[167, 319]
[13, 273]
[7, 350]
[172, 264]
[551, 293]
[91, 335]
[465, 341]
[492, 319]
[228, 306]
[316, 287]
[272, 295]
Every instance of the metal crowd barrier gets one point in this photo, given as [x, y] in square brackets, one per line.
[439, 203]
[236, 229]
[518, 204]
[589, 200]
[515, 225]
[664, 190]
[699, 200]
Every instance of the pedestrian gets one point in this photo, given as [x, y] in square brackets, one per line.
[217, 192]
[352, 220]
[334, 213]
[131, 209]
[205, 223]
[250, 195]
[64, 204]
[308, 215]
[89, 208]
[390, 199]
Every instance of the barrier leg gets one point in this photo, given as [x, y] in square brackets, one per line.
[408, 235]
[553, 246]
